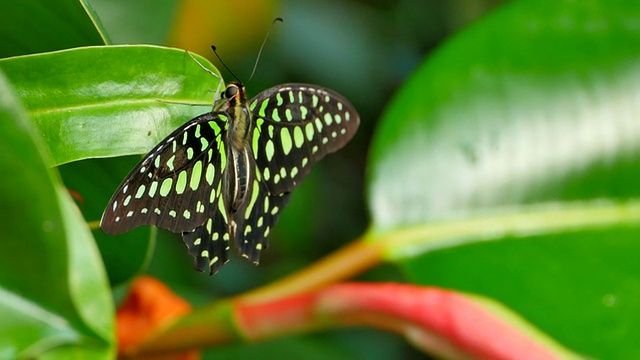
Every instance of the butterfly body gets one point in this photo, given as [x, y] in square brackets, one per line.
[224, 176]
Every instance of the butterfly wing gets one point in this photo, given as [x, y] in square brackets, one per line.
[256, 218]
[176, 184]
[296, 125]
[209, 243]
[248, 226]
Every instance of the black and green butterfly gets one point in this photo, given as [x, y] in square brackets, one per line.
[225, 176]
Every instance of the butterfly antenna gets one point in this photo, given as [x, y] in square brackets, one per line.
[262, 46]
[213, 47]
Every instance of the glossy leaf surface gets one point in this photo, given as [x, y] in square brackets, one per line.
[522, 119]
[54, 290]
[97, 101]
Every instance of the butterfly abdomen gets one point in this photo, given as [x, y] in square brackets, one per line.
[238, 175]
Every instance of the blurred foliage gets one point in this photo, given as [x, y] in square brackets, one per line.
[33, 26]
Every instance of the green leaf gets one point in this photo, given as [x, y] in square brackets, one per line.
[53, 289]
[508, 166]
[112, 100]
[579, 287]
[34, 26]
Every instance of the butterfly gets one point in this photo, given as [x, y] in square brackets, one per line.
[224, 176]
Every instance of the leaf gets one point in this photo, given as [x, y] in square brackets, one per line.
[507, 166]
[53, 290]
[36, 26]
[112, 100]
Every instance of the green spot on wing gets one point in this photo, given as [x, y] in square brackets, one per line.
[181, 183]
[285, 139]
[298, 137]
[140, 192]
[170, 162]
[153, 188]
[210, 173]
[256, 136]
[196, 174]
[328, 119]
[254, 196]
[263, 108]
[309, 130]
[269, 150]
[204, 143]
[275, 116]
[223, 157]
[165, 188]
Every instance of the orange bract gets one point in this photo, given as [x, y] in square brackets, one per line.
[148, 306]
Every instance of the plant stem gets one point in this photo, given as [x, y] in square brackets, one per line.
[358, 256]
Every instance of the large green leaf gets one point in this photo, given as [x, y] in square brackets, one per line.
[53, 289]
[512, 158]
[32, 26]
[111, 100]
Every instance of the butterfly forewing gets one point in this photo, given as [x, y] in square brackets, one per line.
[295, 126]
[174, 185]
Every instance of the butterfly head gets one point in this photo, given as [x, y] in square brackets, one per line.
[233, 96]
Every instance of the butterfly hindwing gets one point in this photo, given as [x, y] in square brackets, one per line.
[209, 243]
[174, 185]
[295, 126]
[255, 221]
